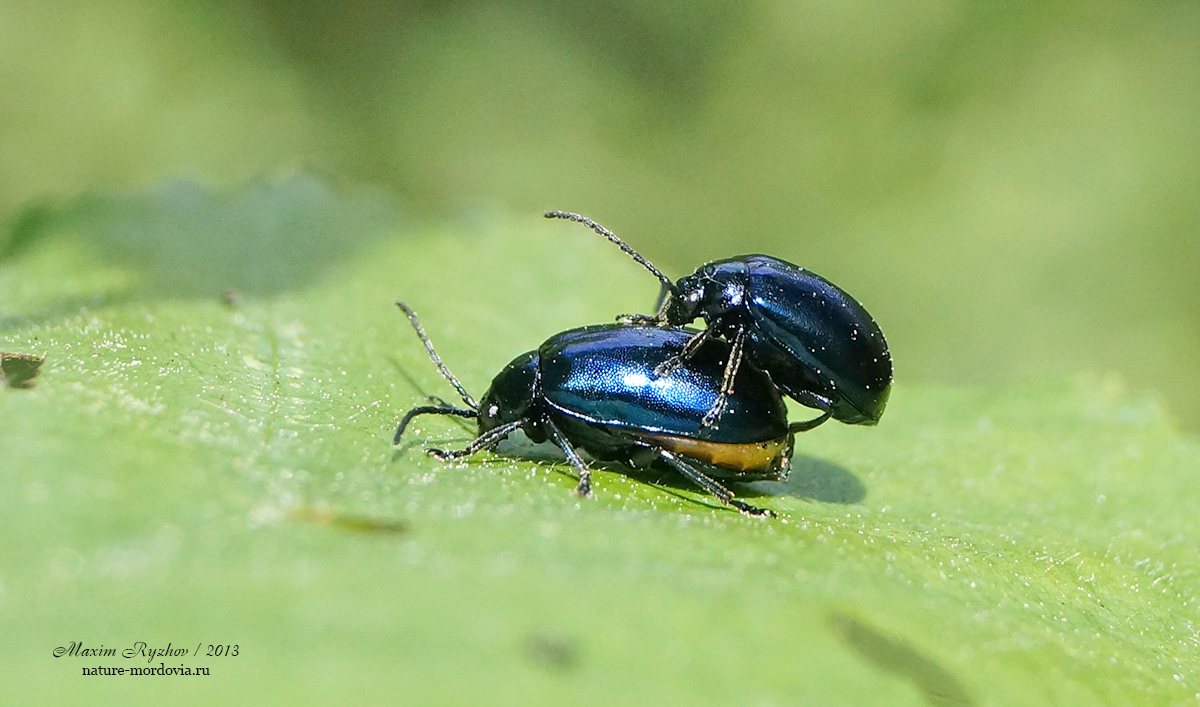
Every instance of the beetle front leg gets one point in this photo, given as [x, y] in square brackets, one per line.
[693, 345]
[487, 440]
[584, 489]
[731, 368]
[640, 319]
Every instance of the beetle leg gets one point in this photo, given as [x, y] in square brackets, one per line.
[487, 440]
[723, 494]
[731, 368]
[809, 424]
[584, 489]
[430, 410]
[640, 319]
[782, 466]
[693, 345]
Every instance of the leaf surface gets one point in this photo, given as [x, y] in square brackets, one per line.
[205, 460]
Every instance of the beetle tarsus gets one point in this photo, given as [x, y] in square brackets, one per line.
[710, 417]
[752, 511]
[782, 468]
[669, 366]
[673, 364]
[640, 319]
[689, 349]
[584, 489]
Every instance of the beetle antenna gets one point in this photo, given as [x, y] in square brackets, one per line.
[430, 410]
[433, 355]
[666, 281]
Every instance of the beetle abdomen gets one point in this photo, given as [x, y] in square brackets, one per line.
[752, 457]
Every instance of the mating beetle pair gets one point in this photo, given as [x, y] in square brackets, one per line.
[647, 389]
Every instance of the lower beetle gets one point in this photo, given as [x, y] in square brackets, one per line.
[596, 389]
[819, 345]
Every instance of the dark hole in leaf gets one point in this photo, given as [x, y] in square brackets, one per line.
[938, 686]
[19, 370]
[552, 650]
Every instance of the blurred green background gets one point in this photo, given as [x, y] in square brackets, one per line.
[1009, 187]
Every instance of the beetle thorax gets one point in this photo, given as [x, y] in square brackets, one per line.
[725, 291]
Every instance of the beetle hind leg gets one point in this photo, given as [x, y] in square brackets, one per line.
[807, 425]
[707, 483]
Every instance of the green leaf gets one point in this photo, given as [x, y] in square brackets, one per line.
[198, 466]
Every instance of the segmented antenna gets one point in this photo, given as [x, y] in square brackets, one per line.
[666, 281]
[430, 410]
[433, 355]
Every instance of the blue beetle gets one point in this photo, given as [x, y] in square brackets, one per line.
[818, 344]
[596, 389]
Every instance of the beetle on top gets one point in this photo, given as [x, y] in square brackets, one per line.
[817, 343]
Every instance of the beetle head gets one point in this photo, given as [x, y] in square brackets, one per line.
[682, 304]
[514, 391]
[713, 291]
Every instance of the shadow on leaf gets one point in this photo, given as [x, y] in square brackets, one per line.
[813, 479]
